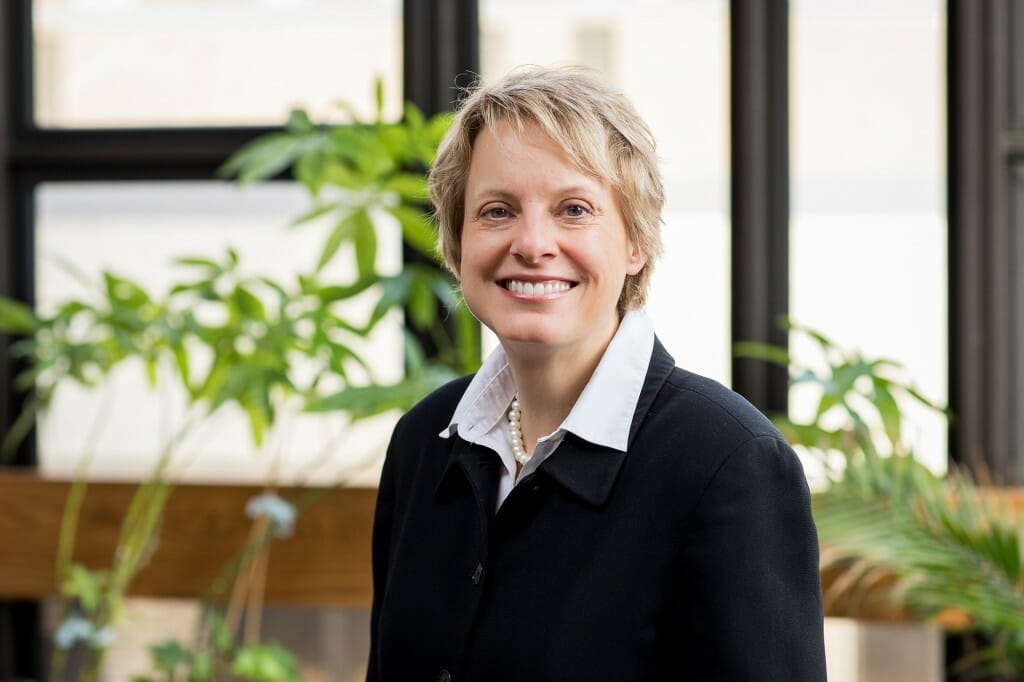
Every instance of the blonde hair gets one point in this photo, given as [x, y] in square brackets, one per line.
[594, 125]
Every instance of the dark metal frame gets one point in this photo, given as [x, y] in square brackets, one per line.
[759, 87]
[20, 649]
[986, 236]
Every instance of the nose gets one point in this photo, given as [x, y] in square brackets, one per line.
[534, 239]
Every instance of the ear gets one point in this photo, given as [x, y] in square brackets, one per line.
[635, 259]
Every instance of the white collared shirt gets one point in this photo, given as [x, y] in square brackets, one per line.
[602, 414]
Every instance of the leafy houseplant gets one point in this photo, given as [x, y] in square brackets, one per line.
[275, 348]
[939, 547]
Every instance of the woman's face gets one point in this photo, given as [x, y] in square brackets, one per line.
[544, 246]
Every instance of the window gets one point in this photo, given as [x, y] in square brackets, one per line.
[136, 229]
[868, 226]
[154, 63]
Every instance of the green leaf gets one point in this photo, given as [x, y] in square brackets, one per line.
[17, 431]
[17, 318]
[266, 663]
[213, 267]
[84, 585]
[202, 669]
[422, 304]
[366, 244]
[309, 169]
[468, 344]
[317, 212]
[378, 99]
[417, 230]
[342, 232]
[249, 304]
[182, 363]
[889, 411]
[366, 401]
[413, 117]
[263, 158]
[167, 656]
[409, 186]
[299, 123]
[415, 358]
[150, 364]
[125, 292]
[223, 639]
[332, 293]
[256, 403]
[762, 351]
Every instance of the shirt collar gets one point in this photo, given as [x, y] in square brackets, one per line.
[602, 414]
[588, 471]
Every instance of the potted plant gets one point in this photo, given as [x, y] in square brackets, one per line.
[898, 541]
[274, 348]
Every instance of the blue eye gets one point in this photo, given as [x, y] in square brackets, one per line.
[576, 211]
[496, 212]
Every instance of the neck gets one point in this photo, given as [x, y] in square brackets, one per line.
[549, 381]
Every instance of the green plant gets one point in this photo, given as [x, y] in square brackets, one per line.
[229, 337]
[954, 551]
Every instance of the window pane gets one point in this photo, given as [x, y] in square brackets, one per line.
[670, 58]
[136, 230]
[127, 63]
[868, 232]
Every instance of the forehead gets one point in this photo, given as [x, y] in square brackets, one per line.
[511, 153]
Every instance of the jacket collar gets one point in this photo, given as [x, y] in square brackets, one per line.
[585, 469]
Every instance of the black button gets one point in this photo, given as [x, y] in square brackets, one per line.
[478, 573]
[444, 676]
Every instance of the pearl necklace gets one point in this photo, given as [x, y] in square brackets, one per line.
[515, 432]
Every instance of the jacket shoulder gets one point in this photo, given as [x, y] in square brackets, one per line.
[699, 400]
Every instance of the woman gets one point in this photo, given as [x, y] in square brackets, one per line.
[580, 509]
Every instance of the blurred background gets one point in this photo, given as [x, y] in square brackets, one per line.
[854, 164]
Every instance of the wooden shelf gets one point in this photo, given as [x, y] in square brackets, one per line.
[325, 562]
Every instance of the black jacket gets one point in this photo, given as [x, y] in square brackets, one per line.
[693, 556]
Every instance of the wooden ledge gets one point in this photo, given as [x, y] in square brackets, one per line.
[325, 562]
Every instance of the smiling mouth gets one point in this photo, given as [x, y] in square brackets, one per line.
[537, 288]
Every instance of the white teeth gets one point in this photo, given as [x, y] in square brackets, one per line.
[536, 288]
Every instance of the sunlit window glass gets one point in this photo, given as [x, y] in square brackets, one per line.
[868, 261]
[145, 63]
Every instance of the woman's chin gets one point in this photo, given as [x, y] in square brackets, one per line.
[532, 336]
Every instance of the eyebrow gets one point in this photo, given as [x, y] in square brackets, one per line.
[505, 195]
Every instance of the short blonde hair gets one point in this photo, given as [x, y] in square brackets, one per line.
[594, 125]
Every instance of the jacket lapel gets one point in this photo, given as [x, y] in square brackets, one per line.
[471, 468]
[589, 471]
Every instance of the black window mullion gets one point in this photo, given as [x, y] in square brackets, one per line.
[144, 151]
[441, 51]
[986, 310]
[21, 650]
[440, 41]
[759, 47]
